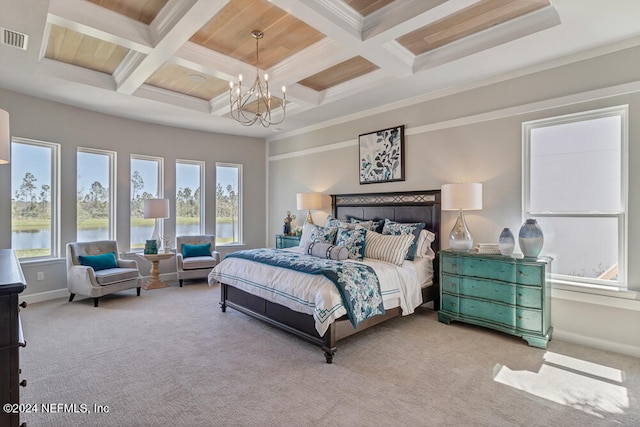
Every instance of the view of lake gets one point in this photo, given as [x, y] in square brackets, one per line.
[41, 238]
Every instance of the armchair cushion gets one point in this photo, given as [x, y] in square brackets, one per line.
[113, 275]
[99, 262]
[203, 249]
[193, 263]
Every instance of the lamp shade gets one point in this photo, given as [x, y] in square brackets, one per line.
[308, 201]
[156, 208]
[467, 197]
[5, 138]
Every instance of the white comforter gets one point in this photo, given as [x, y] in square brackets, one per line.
[315, 294]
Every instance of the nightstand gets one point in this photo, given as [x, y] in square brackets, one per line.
[508, 294]
[285, 241]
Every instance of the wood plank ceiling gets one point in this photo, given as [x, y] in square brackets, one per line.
[320, 57]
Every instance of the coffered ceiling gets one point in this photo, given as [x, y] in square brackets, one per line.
[171, 61]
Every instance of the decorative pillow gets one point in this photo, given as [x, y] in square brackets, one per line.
[424, 250]
[395, 228]
[196, 250]
[322, 234]
[375, 225]
[332, 222]
[335, 222]
[99, 262]
[325, 250]
[353, 240]
[387, 247]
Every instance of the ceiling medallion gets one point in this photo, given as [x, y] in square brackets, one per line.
[256, 104]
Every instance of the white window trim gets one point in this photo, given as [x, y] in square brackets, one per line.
[113, 186]
[239, 166]
[202, 188]
[569, 282]
[55, 196]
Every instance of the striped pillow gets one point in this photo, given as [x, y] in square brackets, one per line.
[387, 247]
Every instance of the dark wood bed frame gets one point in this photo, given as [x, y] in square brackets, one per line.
[410, 206]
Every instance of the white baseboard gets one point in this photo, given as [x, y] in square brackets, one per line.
[44, 296]
[626, 349]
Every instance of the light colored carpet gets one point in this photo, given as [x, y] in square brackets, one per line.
[171, 358]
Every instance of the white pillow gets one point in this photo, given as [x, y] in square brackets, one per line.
[423, 249]
[387, 247]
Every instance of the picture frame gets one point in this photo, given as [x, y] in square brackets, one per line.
[381, 155]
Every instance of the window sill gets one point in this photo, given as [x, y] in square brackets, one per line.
[594, 294]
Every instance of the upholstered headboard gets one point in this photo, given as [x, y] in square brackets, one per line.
[407, 206]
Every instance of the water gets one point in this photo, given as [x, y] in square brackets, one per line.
[42, 238]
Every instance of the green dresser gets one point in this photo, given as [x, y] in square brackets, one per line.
[286, 241]
[504, 293]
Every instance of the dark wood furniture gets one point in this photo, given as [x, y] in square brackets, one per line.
[412, 206]
[11, 339]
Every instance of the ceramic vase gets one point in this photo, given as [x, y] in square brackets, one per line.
[506, 242]
[530, 238]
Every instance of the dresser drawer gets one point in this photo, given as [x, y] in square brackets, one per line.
[481, 288]
[530, 275]
[530, 320]
[494, 312]
[488, 269]
[450, 303]
[450, 264]
[450, 284]
[529, 297]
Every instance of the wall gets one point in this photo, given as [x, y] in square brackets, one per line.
[72, 127]
[476, 136]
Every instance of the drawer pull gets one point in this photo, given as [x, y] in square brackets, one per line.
[519, 317]
[453, 285]
[520, 296]
[453, 304]
[23, 304]
[23, 383]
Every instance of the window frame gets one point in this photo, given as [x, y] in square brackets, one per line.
[113, 187]
[238, 166]
[201, 164]
[622, 217]
[55, 195]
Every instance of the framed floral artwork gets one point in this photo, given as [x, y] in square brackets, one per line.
[382, 155]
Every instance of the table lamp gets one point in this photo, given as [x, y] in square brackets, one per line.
[461, 197]
[308, 201]
[157, 209]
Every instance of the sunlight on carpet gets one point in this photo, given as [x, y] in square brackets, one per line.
[589, 387]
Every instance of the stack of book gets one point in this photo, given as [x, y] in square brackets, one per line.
[487, 248]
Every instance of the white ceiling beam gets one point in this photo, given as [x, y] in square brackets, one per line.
[193, 19]
[95, 21]
[514, 29]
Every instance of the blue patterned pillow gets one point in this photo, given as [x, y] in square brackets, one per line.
[322, 234]
[353, 240]
[375, 225]
[332, 222]
[396, 228]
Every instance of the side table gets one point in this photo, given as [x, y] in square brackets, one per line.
[286, 241]
[154, 282]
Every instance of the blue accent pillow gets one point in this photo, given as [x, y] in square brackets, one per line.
[196, 250]
[99, 262]
[353, 240]
[396, 228]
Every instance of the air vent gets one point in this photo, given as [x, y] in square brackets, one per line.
[14, 38]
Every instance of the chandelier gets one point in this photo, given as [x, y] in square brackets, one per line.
[256, 104]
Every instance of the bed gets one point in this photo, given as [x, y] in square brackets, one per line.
[256, 289]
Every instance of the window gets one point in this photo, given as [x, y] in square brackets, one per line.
[34, 201]
[189, 179]
[95, 195]
[228, 203]
[575, 185]
[146, 183]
